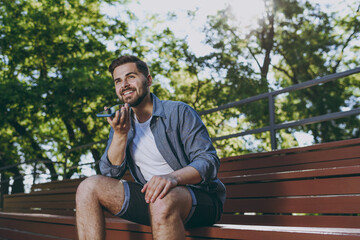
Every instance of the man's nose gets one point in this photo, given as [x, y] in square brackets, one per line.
[124, 83]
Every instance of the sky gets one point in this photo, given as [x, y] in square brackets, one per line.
[246, 12]
[183, 26]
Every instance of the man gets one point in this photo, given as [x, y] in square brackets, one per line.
[168, 151]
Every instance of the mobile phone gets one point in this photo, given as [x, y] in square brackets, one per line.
[110, 112]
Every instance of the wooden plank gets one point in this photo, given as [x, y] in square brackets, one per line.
[62, 212]
[229, 231]
[315, 147]
[58, 230]
[336, 221]
[41, 193]
[34, 198]
[307, 187]
[248, 232]
[43, 204]
[298, 167]
[18, 234]
[293, 159]
[327, 204]
[57, 184]
[287, 175]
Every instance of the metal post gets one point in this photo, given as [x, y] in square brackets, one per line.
[65, 166]
[34, 172]
[272, 122]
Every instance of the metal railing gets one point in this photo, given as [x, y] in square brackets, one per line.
[272, 127]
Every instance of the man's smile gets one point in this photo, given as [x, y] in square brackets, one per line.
[127, 92]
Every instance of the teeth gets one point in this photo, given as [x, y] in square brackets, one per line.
[128, 93]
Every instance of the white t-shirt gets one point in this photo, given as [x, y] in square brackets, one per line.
[145, 153]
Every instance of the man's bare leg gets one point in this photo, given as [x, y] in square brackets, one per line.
[92, 195]
[168, 214]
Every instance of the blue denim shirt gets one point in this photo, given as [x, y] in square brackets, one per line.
[182, 139]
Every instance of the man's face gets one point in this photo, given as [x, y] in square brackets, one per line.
[131, 86]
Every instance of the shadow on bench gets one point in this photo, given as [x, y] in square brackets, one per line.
[301, 193]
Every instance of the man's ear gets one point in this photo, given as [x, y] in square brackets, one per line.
[149, 80]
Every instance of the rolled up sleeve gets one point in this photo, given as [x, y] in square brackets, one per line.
[106, 168]
[198, 146]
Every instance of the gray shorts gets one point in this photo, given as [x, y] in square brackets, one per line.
[206, 208]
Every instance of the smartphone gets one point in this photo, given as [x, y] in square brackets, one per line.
[110, 112]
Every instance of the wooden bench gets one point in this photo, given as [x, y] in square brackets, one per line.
[301, 193]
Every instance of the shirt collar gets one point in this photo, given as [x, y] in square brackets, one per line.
[158, 108]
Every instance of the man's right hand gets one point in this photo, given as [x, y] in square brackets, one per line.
[121, 126]
[121, 121]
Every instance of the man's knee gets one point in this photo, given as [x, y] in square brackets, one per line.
[87, 186]
[176, 204]
[105, 191]
[90, 186]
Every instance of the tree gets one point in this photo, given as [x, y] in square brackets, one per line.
[54, 57]
[53, 77]
[293, 42]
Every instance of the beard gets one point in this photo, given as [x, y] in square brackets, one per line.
[138, 100]
[135, 102]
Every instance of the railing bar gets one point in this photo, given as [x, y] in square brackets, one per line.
[317, 81]
[254, 131]
[317, 119]
[29, 162]
[306, 121]
[80, 165]
[299, 86]
[86, 145]
[21, 163]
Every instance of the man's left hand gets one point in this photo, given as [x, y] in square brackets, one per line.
[158, 187]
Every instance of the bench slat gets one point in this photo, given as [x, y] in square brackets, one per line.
[43, 204]
[44, 228]
[296, 150]
[308, 187]
[58, 212]
[296, 174]
[293, 159]
[298, 167]
[291, 220]
[328, 204]
[41, 198]
[57, 184]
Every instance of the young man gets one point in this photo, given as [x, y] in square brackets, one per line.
[168, 151]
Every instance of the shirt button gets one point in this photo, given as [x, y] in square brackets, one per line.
[114, 171]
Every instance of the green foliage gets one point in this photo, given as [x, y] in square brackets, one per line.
[54, 78]
[53, 75]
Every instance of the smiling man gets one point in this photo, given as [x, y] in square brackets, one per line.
[168, 151]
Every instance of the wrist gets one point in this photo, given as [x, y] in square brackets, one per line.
[176, 178]
[120, 136]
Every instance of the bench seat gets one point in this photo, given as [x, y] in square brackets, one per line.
[48, 226]
[301, 193]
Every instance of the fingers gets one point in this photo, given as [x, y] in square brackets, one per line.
[165, 191]
[121, 121]
[158, 187]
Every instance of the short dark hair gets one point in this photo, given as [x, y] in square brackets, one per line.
[141, 65]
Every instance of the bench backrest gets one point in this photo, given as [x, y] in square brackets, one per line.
[315, 186]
